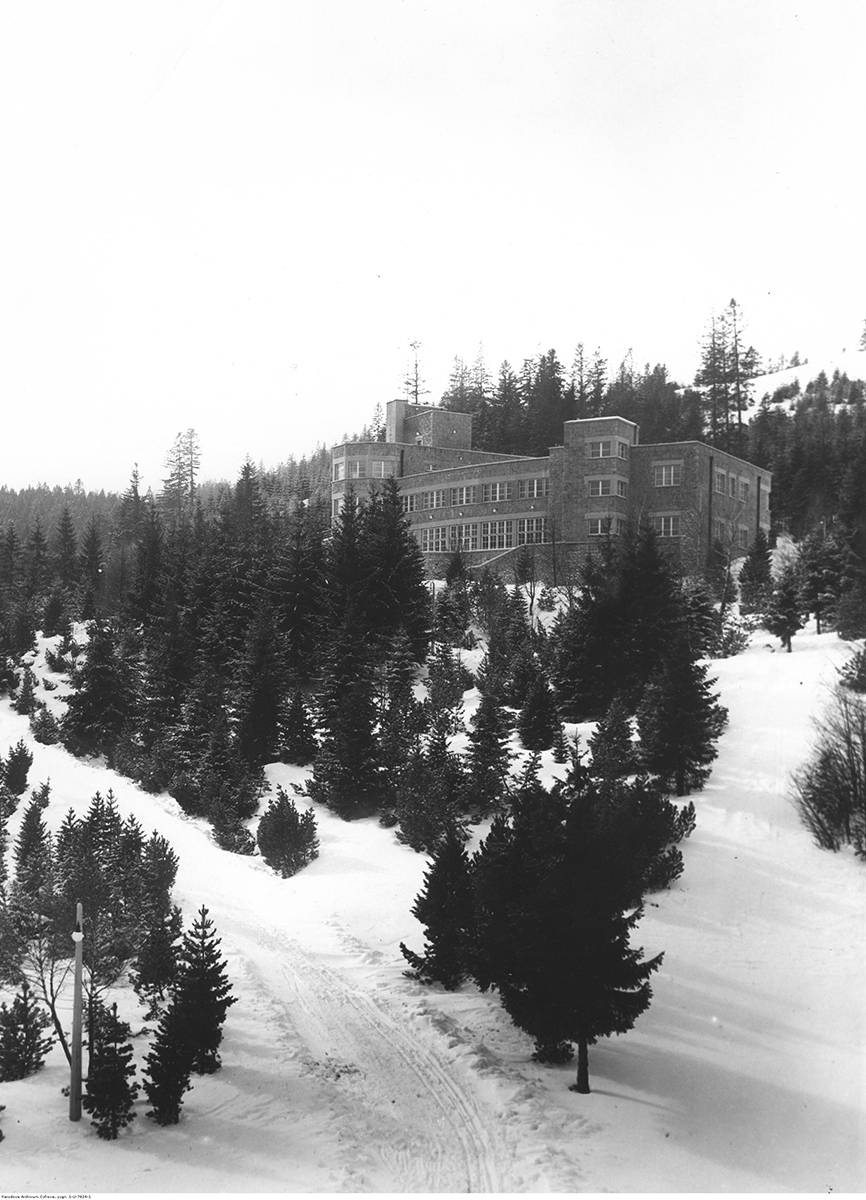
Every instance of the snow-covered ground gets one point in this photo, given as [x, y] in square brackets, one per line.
[748, 1072]
[848, 362]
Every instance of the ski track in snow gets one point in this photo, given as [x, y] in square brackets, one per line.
[401, 1111]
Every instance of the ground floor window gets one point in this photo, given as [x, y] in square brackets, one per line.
[667, 526]
[531, 531]
[497, 535]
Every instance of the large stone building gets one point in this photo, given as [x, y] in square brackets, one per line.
[490, 506]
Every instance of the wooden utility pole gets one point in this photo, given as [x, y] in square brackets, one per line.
[75, 1063]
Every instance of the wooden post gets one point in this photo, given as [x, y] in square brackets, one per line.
[75, 1064]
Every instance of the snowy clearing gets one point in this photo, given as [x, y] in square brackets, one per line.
[748, 1072]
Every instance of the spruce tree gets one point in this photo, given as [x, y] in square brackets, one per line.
[552, 890]
[286, 838]
[819, 566]
[430, 793]
[154, 969]
[110, 1092]
[23, 1039]
[25, 700]
[488, 758]
[613, 752]
[66, 550]
[18, 764]
[680, 721]
[298, 741]
[538, 720]
[102, 701]
[168, 1066]
[445, 686]
[44, 726]
[260, 691]
[31, 850]
[445, 908]
[203, 994]
[755, 581]
[395, 596]
[784, 615]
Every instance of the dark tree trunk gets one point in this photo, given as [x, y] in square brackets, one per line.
[582, 1084]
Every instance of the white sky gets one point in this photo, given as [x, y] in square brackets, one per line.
[237, 215]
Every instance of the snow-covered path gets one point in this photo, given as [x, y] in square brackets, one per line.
[335, 1076]
[748, 1072]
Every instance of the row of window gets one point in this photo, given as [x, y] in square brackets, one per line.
[353, 469]
[483, 535]
[607, 448]
[486, 493]
[666, 525]
[732, 486]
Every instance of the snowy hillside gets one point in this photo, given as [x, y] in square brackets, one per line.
[746, 1074]
[847, 362]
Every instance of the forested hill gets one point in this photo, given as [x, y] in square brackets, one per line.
[810, 431]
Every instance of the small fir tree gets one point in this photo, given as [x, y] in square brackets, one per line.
[489, 757]
[287, 839]
[168, 1067]
[445, 909]
[44, 726]
[203, 993]
[18, 764]
[25, 699]
[784, 615]
[431, 793]
[110, 1093]
[538, 721]
[680, 721]
[756, 585]
[23, 1039]
[154, 970]
[613, 752]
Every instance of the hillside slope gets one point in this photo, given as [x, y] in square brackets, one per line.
[746, 1074]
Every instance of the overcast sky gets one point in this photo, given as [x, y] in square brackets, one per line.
[237, 215]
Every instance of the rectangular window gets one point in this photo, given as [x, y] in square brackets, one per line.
[732, 487]
[531, 531]
[667, 527]
[719, 531]
[410, 502]
[531, 489]
[621, 488]
[497, 535]
[667, 474]
[598, 449]
[492, 492]
[744, 490]
[620, 525]
[463, 537]
[598, 526]
[377, 469]
[622, 449]
[441, 497]
[336, 505]
[354, 468]
[599, 487]
[339, 468]
[720, 482]
[463, 495]
[743, 535]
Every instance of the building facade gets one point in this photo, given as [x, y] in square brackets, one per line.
[492, 506]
